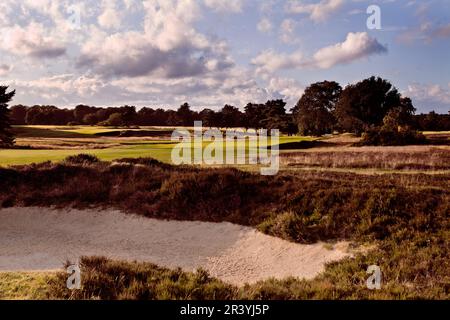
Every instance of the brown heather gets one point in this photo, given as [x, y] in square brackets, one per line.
[405, 217]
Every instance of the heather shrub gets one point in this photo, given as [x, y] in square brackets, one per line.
[403, 217]
[391, 137]
[301, 208]
[110, 280]
[82, 158]
[143, 161]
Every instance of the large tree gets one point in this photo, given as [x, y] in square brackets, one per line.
[254, 114]
[401, 116]
[17, 114]
[116, 120]
[365, 104]
[314, 112]
[82, 111]
[210, 118]
[231, 117]
[275, 115]
[6, 136]
[129, 115]
[184, 115]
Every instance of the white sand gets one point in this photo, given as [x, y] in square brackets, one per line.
[43, 239]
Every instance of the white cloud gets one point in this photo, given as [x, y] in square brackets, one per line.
[130, 4]
[287, 31]
[267, 6]
[4, 69]
[356, 46]
[6, 11]
[67, 83]
[287, 89]
[30, 41]
[318, 12]
[264, 25]
[442, 31]
[69, 89]
[110, 17]
[270, 61]
[356, 12]
[131, 54]
[426, 32]
[225, 5]
[169, 23]
[152, 52]
[430, 96]
[168, 47]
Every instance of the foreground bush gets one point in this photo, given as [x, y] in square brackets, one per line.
[390, 137]
[303, 208]
[405, 216]
[115, 280]
[108, 279]
[81, 158]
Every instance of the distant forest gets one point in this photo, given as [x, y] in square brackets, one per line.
[228, 116]
[324, 107]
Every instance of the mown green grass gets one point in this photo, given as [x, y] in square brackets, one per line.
[157, 149]
[160, 152]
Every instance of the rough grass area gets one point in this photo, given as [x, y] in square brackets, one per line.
[302, 207]
[108, 279]
[112, 280]
[395, 158]
[406, 217]
[24, 285]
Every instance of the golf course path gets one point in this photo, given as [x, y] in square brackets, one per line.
[43, 239]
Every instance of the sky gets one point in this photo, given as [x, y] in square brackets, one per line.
[162, 53]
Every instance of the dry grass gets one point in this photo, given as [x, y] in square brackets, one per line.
[396, 158]
[24, 285]
[64, 144]
[406, 216]
[318, 205]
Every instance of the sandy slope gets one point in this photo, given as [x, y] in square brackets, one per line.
[42, 239]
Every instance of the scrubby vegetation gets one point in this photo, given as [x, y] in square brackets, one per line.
[395, 131]
[406, 217]
[81, 158]
[313, 205]
[107, 279]
[387, 137]
[375, 158]
[421, 275]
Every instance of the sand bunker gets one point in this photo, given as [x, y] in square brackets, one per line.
[43, 239]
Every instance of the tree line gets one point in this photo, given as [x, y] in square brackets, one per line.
[371, 105]
[271, 114]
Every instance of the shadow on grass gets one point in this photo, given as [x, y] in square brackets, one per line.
[30, 132]
[306, 145]
[134, 133]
